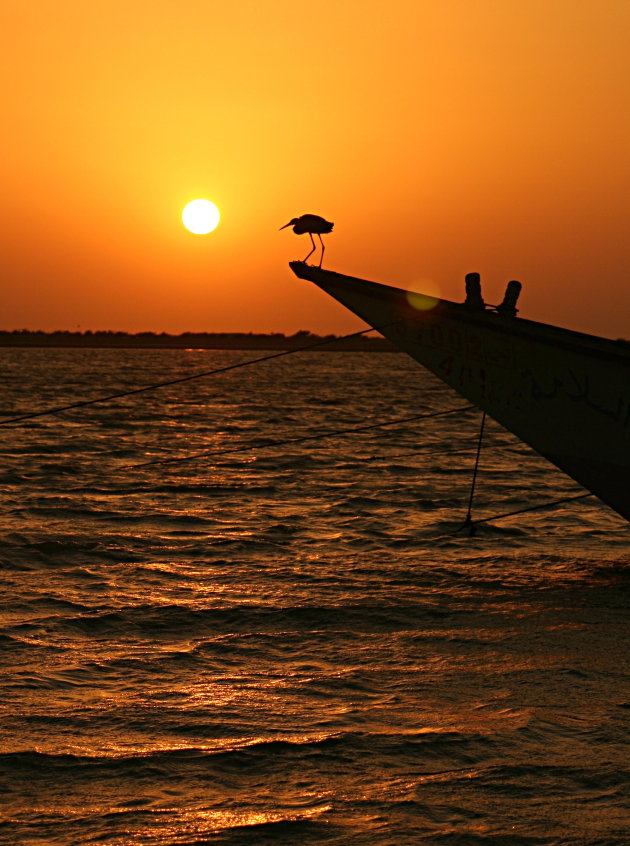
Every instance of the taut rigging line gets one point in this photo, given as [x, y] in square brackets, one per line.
[301, 439]
[190, 377]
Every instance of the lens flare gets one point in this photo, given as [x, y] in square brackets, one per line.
[423, 294]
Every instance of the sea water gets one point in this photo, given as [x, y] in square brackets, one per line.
[293, 641]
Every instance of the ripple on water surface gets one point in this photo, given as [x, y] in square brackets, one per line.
[297, 644]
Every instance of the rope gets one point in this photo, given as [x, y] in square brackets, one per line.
[320, 436]
[411, 454]
[121, 394]
[467, 521]
[355, 458]
[539, 507]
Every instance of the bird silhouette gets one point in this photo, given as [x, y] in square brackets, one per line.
[311, 223]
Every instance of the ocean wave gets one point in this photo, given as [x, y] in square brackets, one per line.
[301, 627]
[186, 620]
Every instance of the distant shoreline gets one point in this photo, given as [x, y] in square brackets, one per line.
[108, 339]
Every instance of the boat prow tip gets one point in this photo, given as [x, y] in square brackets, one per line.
[306, 271]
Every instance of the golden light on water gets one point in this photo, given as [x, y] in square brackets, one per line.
[200, 217]
[199, 822]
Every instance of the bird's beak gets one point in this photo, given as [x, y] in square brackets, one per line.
[285, 226]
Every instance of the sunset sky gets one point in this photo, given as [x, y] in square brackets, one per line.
[441, 136]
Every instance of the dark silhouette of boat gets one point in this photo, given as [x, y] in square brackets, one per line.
[565, 393]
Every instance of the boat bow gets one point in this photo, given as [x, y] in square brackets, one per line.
[565, 393]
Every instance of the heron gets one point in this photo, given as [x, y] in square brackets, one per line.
[311, 223]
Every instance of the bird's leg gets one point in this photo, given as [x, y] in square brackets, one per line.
[313, 243]
[323, 249]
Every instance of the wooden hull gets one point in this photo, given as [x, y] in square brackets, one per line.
[564, 393]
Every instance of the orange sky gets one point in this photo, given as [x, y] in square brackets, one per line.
[441, 136]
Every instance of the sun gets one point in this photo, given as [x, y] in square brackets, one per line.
[200, 217]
